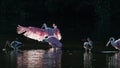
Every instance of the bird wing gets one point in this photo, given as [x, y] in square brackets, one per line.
[36, 33]
[117, 42]
[32, 32]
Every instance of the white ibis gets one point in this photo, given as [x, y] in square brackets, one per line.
[88, 45]
[14, 44]
[114, 43]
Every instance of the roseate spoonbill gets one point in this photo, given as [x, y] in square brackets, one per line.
[114, 43]
[51, 39]
[47, 34]
[37, 33]
[88, 45]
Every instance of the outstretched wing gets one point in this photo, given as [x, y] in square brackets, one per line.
[32, 32]
[117, 43]
[36, 33]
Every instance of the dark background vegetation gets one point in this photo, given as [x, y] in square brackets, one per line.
[77, 19]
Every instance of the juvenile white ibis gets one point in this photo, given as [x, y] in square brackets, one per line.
[14, 44]
[88, 45]
[114, 43]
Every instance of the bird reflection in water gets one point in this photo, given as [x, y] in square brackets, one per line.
[34, 59]
[113, 61]
[87, 60]
[11, 59]
[39, 59]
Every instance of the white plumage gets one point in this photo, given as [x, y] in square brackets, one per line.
[114, 43]
[88, 45]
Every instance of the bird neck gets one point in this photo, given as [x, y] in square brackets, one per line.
[113, 43]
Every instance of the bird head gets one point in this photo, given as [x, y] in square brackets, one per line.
[110, 40]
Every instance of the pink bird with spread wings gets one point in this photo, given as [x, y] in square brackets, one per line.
[35, 33]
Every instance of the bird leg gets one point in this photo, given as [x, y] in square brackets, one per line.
[89, 50]
[85, 49]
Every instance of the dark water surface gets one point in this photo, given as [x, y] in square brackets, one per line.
[33, 56]
[40, 58]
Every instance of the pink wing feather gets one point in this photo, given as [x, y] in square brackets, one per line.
[32, 32]
[36, 33]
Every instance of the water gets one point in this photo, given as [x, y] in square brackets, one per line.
[32, 59]
[33, 56]
[40, 58]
